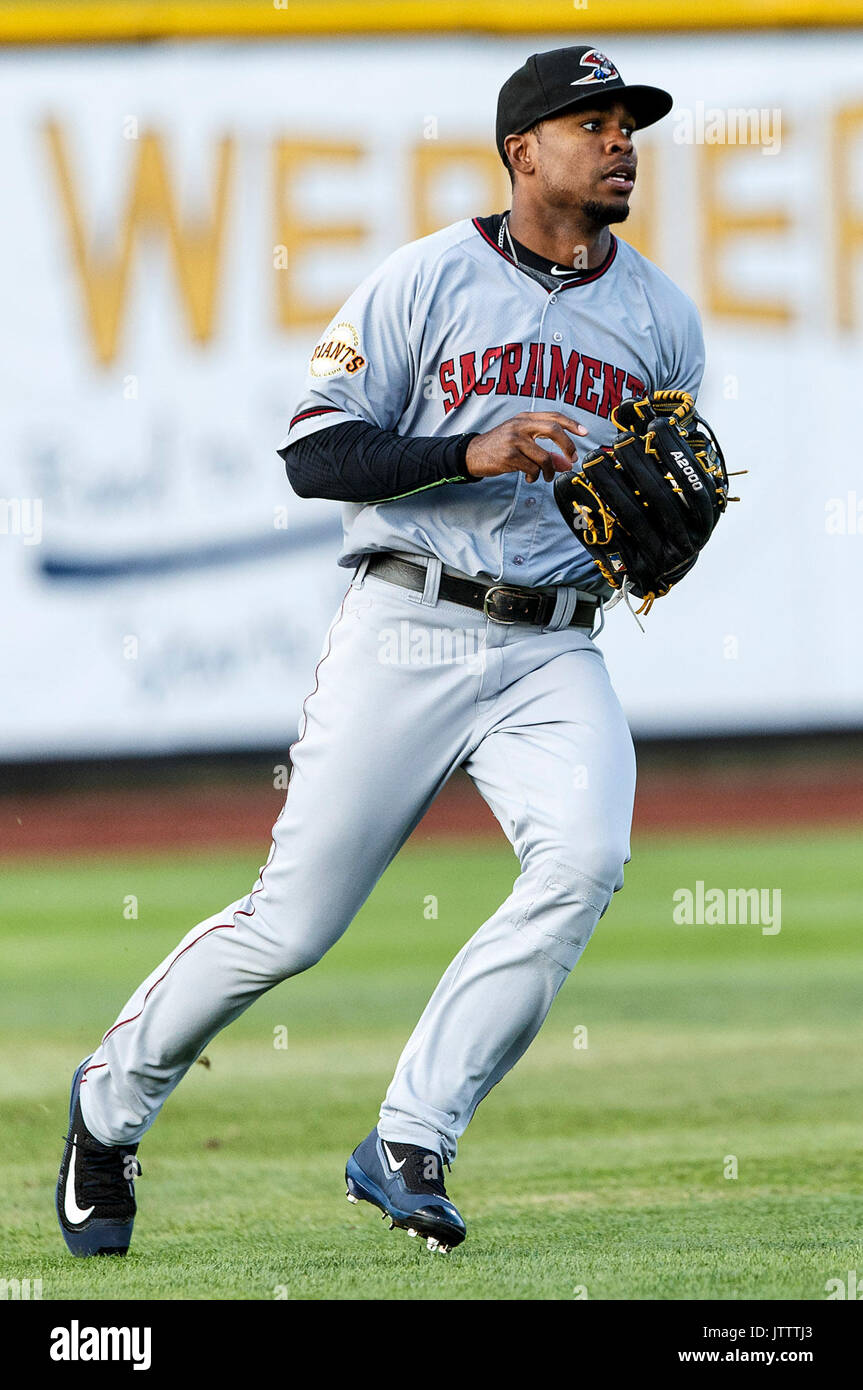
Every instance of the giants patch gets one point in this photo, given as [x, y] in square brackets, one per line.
[338, 352]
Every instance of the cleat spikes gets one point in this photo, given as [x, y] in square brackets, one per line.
[354, 1201]
[404, 1184]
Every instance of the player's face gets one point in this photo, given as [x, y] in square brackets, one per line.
[587, 159]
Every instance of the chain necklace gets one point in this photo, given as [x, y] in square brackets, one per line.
[505, 232]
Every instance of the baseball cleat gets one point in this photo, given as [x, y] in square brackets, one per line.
[95, 1197]
[405, 1183]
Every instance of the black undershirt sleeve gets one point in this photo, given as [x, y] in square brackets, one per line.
[357, 462]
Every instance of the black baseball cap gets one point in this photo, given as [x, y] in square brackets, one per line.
[550, 83]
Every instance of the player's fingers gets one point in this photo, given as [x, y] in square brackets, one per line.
[554, 417]
[549, 461]
[530, 449]
[561, 464]
[558, 435]
[554, 464]
[543, 469]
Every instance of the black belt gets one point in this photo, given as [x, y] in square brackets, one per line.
[502, 603]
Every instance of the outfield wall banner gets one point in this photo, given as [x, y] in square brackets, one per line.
[181, 220]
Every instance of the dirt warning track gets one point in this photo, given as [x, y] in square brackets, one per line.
[240, 812]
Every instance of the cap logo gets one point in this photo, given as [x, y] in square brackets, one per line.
[601, 69]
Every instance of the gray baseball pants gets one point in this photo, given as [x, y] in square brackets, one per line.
[407, 689]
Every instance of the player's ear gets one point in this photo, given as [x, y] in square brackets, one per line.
[519, 152]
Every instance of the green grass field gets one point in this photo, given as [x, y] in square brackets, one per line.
[599, 1168]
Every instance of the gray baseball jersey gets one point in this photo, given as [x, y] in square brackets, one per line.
[449, 335]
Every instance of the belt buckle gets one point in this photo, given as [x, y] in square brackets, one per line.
[495, 589]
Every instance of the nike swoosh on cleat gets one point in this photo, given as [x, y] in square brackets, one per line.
[74, 1214]
[393, 1166]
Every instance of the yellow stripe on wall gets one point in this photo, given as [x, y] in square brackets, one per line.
[68, 21]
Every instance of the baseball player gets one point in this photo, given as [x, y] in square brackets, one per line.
[455, 384]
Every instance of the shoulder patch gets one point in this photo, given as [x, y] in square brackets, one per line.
[338, 351]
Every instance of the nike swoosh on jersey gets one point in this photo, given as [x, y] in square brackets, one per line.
[393, 1166]
[562, 270]
[74, 1214]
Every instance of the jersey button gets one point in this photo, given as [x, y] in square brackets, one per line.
[552, 299]
[558, 337]
[530, 502]
[518, 559]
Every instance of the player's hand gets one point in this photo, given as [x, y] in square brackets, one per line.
[512, 447]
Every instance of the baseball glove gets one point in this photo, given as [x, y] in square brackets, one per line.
[645, 507]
